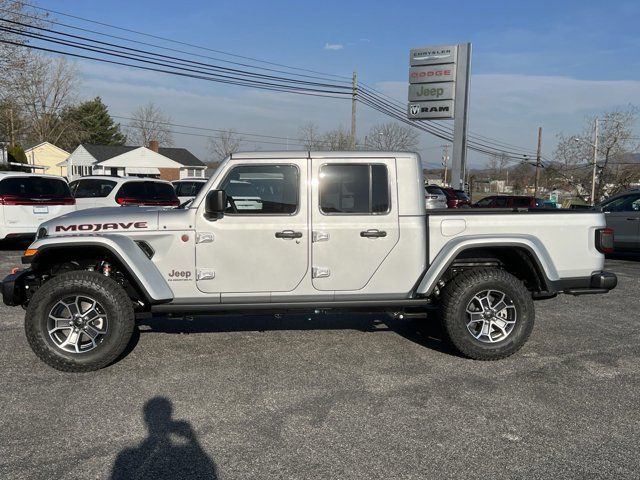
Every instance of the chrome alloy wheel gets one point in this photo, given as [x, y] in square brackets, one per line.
[77, 324]
[491, 316]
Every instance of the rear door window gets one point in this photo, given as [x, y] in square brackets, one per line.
[354, 189]
[520, 202]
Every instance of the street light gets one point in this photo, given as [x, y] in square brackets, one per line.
[595, 159]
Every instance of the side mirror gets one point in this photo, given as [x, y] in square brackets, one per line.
[215, 204]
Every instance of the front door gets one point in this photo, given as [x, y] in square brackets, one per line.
[354, 221]
[260, 245]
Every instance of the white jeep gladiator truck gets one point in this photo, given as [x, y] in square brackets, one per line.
[323, 231]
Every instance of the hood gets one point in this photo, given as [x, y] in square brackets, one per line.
[104, 220]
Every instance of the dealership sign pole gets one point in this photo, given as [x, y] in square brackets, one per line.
[439, 90]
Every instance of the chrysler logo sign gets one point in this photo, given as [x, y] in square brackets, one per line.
[434, 55]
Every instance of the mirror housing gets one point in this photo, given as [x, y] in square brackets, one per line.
[215, 204]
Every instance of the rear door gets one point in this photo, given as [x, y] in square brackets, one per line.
[623, 215]
[354, 220]
[30, 200]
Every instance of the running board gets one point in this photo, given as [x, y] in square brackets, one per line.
[371, 305]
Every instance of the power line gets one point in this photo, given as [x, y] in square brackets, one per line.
[374, 101]
[178, 42]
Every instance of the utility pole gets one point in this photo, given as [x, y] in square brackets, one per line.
[595, 159]
[354, 93]
[445, 160]
[535, 190]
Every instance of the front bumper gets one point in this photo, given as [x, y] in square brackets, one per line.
[13, 289]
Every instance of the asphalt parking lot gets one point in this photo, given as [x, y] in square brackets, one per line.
[333, 397]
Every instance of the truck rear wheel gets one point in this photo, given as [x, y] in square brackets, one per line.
[79, 321]
[487, 314]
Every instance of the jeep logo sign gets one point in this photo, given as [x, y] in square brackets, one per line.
[431, 91]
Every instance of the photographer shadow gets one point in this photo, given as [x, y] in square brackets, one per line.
[170, 451]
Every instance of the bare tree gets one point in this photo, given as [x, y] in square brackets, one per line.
[13, 55]
[224, 144]
[310, 136]
[337, 139]
[574, 155]
[42, 91]
[391, 136]
[148, 123]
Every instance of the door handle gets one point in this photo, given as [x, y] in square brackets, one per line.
[288, 234]
[634, 219]
[372, 233]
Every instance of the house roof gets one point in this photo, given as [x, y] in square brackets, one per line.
[106, 152]
[33, 145]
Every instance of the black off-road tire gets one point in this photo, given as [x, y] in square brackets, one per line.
[112, 298]
[456, 296]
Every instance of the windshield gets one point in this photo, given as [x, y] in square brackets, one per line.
[34, 187]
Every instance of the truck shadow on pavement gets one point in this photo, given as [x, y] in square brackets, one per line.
[170, 451]
[424, 332]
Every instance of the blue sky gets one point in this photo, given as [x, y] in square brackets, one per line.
[541, 63]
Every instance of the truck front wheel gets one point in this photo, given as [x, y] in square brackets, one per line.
[487, 314]
[79, 321]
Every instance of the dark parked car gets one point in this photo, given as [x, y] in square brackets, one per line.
[456, 198]
[623, 215]
[510, 201]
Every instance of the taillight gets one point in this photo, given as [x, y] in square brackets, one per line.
[15, 200]
[127, 201]
[604, 240]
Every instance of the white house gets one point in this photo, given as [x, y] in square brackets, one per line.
[121, 160]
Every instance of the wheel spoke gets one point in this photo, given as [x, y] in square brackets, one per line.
[491, 316]
[82, 330]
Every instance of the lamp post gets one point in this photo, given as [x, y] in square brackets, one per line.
[595, 159]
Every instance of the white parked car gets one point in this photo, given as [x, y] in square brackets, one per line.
[434, 197]
[104, 191]
[27, 200]
[188, 188]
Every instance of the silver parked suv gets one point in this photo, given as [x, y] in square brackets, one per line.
[622, 213]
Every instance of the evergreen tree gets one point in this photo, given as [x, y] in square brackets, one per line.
[90, 122]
